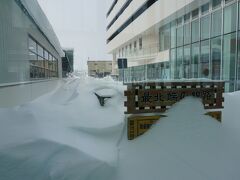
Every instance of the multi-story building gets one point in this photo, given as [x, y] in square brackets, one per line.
[176, 39]
[99, 68]
[30, 53]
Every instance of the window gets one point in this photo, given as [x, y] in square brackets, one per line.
[45, 55]
[230, 18]
[195, 13]
[217, 23]
[179, 21]
[204, 59]
[32, 45]
[40, 62]
[140, 43]
[32, 56]
[187, 33]
[228, 1]
[173, 34]
[187, 17]
[205, 8]
[173, 63]
[205, 30]
[179, 63]
[164, 37]
[195, 31]
[216, 46]
[180, 36]
[195, 60]
[216, 3]
[229, 56]
[186, 61]
[40, 51]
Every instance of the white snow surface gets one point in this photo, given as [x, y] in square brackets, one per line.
[67, 135]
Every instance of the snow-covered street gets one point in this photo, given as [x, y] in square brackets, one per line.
[67, 135]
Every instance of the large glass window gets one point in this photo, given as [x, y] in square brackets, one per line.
[217, 23]
[195, 60]
[195, 31]
[186, 61]
[42, 63]
[229, 56]
[173, 34]
[204, 59]
[179, 68]
[180, 36]
[216, 45]
[205, 30]
[230, 18]
[187, 33]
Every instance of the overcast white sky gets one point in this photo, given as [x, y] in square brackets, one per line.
[80, 24]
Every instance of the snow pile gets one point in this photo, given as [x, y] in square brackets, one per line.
[62, 135]
[67, 135]
[185, 145]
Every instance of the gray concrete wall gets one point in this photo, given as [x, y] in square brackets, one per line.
[13, 95]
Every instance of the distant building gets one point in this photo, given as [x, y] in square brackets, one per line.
[67, 62]
[99, 68]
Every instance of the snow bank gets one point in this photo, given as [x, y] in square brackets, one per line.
[185, 145]
[67, 135]
[63, 135]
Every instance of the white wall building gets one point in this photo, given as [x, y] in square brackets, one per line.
[174, 39]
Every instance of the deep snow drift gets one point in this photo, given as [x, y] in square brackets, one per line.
[67, 135]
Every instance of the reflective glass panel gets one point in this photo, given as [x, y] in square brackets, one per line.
[195, 60]
[179, 63]
[204, 59]
[205, 30]
[229, 56]
[230, 18]
[195, 31]
[216, 57]
[186, 61]
[173, 63]
[180, 36]
[217, 23]
[173, 34]
[187, 33]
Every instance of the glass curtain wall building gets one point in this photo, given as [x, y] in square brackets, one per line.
[29, 48]
[198, 40]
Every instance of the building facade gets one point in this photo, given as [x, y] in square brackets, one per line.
[67, 62]
[30, 53]
[29, 48]
[99, 69]
[176, 39]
